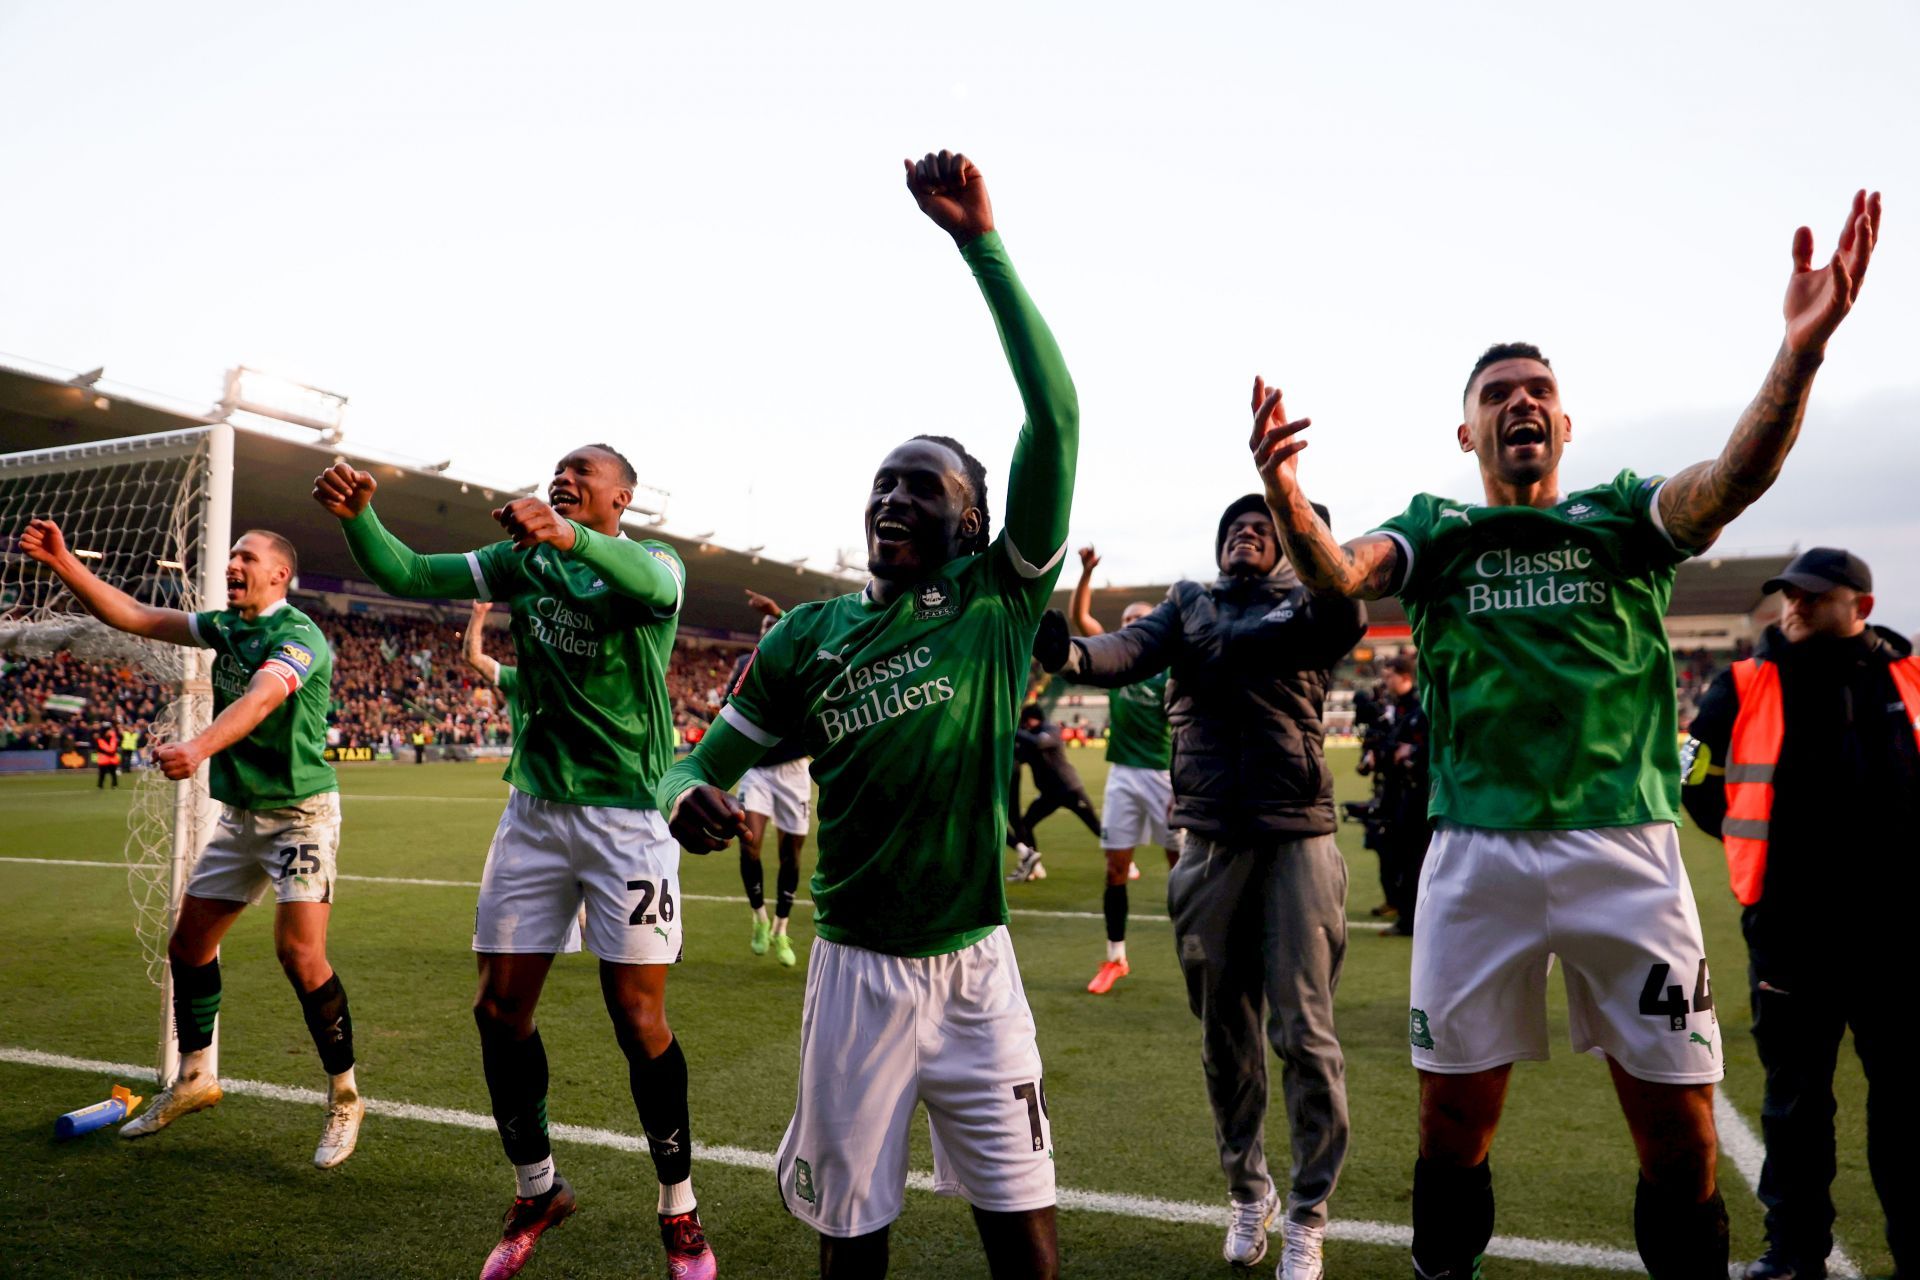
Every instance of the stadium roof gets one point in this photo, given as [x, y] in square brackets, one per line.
[430, 511]
[1709, 586]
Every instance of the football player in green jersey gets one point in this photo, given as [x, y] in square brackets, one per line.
[1549, 682]
[1139, 794]
[280, 816]
[904, 694]
[594, 617]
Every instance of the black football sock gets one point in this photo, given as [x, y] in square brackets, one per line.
[1114, 905]
[196, 1003]
[659, 1087]
[754, 879]
[325, 1008]
[786, 884]
[517, 1083]
[1452, 1219]
[1680, 1238]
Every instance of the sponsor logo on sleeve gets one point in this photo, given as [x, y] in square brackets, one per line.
[298, 654]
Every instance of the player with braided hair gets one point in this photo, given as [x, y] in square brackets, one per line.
[905, 695]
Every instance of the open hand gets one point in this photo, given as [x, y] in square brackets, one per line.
[949, 189]
[179, 760]
[43, 541]
[707, 818]
[1818, 300]
[1276, 443]
[343, 490]
[530, 522]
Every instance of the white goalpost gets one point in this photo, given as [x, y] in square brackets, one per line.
[152, 515]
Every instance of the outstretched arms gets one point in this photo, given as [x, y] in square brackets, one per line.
[1366, 568]
[1695, 504]
[43, 541]
[949, 190]
[1080, 608]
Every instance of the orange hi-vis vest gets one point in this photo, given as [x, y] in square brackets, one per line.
[1758, 731]
[106, 750]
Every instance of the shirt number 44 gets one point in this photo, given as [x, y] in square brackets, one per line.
[1658, 999]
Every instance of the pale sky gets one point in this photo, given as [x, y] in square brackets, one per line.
[504, 229]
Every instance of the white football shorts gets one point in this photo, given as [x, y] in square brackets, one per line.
[783, 792]
[1613, 903]
[548, 859]
[294, 849]
[1133, 812]
[879, 1033]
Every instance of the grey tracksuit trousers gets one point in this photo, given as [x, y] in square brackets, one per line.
[1261, 930]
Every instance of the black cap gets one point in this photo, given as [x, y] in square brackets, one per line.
[1821, 569]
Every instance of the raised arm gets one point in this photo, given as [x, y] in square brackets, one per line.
[1365, 568]
[471, 647]
[389, 563]
[43, 541]
[950, 191]
[1080, 608]
[1695, 504]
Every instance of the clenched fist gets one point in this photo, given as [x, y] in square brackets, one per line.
[530, 522]
[344, 491]
[707, 818]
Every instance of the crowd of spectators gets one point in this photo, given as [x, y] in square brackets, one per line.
[396, 674]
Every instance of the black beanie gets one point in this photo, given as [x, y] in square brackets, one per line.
[1240, 507]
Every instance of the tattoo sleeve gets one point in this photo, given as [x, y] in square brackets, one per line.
[1363, 569]
[1695, 504]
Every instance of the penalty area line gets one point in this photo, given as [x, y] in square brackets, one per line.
[1152, 1208]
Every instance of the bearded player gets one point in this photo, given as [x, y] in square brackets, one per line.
[905, 695]
[594, 616]
[279, 820]
[1139, 793]
[1546, 672]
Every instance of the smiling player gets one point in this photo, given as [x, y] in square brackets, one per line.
[905, 695]
[594, 615]
[1547, 675]
[280, 821]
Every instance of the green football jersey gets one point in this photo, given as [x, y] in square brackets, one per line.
[508, 684]
[592, 721]
[283, 761]
[908, 712]
[1544, 662]
[1137, 732]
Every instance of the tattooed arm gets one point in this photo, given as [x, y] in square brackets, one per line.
[1695, 504]
[1367, 567]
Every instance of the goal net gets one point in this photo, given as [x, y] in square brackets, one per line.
[150, 515]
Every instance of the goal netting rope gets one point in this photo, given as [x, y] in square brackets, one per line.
[136, 511]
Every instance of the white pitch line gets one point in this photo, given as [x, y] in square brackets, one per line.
[1152, 1208]
[690, 897]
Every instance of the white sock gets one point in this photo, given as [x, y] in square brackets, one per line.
[341, 1086]
[760, 913]
[1116, 950]
[676, 1199]
[192, 1064]
[534, 1179]
[779, 924]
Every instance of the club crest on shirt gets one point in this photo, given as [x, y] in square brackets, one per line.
[934, 601]
[1579, 511]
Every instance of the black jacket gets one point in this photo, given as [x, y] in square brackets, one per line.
[1846, 791]
[1251, 659]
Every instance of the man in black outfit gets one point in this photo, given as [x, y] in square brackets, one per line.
[1405, 827]
[1039, 746]
[1805, 761]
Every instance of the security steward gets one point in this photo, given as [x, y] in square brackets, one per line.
[1805, 761]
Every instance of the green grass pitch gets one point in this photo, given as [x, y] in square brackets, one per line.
[232, 1192]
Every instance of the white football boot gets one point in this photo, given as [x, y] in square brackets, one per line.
[345, 1110]
[1247, 1231]
[186, 1095]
